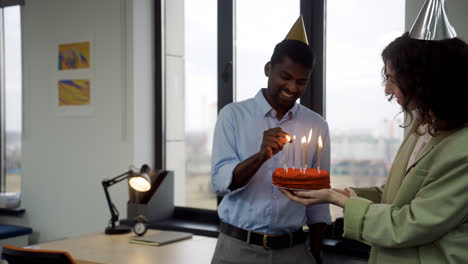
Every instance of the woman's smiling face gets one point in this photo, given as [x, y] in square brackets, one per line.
[391, 84]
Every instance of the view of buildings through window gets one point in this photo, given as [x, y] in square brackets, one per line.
[364, 127]
[12, 103]
[201, 101]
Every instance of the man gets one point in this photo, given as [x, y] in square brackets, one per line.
[259, 224]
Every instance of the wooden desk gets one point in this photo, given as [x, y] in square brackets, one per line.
[116, 249]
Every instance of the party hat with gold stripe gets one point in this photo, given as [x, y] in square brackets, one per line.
[297, 32]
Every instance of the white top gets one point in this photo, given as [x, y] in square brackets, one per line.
[420, 144]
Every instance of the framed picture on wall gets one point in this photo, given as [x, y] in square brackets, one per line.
[74, 91]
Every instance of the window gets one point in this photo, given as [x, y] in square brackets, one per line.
[364, 127]
[201, 106]
[257, 32]
[254, 43]
[230, 43]
[11, 99]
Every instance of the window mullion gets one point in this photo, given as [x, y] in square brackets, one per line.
[313, 13]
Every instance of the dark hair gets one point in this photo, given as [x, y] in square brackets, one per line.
[433, 76]
[297, 51]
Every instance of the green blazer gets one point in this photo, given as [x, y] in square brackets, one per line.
[420, 215]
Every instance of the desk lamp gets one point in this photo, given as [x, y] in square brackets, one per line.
[140, 181]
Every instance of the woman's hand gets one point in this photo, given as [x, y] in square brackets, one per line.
[308, 197]
[316, 197]
[346, 192]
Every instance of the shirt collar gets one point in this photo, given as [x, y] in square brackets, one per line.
[265, 107]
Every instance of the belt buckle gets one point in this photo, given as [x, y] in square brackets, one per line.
[265, 240]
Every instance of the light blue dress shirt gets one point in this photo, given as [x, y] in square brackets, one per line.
[259, 206]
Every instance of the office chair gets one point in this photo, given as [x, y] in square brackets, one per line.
[17, 255]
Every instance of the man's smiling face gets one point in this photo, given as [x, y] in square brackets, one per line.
[286, 83]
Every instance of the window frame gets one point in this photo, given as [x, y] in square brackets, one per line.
[2, 103]
[3, 169]
[159, 105]
[6, 3]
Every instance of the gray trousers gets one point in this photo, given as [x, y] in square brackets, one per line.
[230, 251]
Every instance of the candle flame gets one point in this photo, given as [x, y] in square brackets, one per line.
[310, 136]
[320, 142]
[294, 137]
[288, 139]
[303, 140]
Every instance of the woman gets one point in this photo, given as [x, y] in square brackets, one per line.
[421, 214]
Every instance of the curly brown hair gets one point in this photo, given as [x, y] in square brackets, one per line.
[433, 76]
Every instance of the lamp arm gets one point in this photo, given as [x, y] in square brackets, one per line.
[105, 184]
[113, 210]
[117, 178]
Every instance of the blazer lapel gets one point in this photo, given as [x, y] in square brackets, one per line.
[430, 145]
[399, 167]
[397, 171]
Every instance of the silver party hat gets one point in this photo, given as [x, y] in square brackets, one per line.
[432, 22]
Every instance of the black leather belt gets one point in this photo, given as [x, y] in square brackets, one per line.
[264, 240]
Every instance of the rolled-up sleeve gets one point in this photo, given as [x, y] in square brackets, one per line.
[354, 211]
[224, 157]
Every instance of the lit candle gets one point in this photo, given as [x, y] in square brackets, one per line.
[294, 149]
[303, 146]
[320, 145]
[300, 167]
[286, 159]
[307, 151]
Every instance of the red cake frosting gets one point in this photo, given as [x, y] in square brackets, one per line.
[297, 179]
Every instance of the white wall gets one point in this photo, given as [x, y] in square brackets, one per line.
[66, 157]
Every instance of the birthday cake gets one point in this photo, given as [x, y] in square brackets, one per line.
[297, 179]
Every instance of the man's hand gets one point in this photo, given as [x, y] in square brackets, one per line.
[273, 142]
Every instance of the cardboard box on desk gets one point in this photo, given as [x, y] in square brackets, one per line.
[158, 202]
